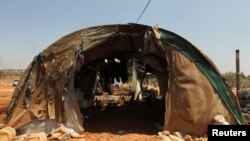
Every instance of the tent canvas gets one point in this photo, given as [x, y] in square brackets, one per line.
[194, 89]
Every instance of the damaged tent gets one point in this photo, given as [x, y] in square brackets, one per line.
[193, 88]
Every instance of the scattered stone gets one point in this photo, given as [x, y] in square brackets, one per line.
[178, 134]
[67, 130]
[167, 138]
[56, 135]
[166, 133]
[188, 138]
[7, 134]
[220, 120]
[172, 137]
[160, 134]
[163, 137]
[64, 137]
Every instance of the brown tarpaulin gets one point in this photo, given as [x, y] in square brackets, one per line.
[192, 102]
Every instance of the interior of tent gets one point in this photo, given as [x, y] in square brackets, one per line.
[85, 63]
[115, 94]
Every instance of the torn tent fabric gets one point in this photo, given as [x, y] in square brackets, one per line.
[193, 88]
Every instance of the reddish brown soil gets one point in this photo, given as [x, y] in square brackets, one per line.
[131, 122]
[6, 91]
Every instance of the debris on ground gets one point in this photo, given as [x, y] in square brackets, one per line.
[32, 137]
[7, 134]
[178, 136]
[220, 120]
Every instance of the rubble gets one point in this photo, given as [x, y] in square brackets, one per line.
[188, 138]
[62, 133]
[70, 131]
[178, 136]
[7, 134]
[64, 137]
[32, 137]
[220, 120]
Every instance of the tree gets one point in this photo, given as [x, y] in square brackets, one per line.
[230, 78]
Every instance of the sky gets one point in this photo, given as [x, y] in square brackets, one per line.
[217, 27]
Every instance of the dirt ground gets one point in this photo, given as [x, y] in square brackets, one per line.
[6, 91]
[5, 96]
[132, 122]
[138, 122]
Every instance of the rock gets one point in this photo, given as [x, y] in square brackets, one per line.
[188, 138]
[163, 137]
[166, 133]
[7, 134]
[67, 130]
[56, 135]
[220, 120]
[64, 137]
[178, 134]
[172, 137]
[160, 134]
[166, 138]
